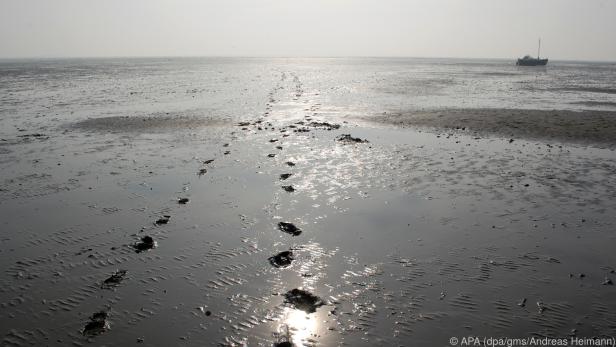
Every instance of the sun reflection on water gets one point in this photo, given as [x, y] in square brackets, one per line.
[299, 326]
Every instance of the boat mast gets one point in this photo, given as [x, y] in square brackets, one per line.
[539, 49]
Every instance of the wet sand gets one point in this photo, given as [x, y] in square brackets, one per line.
[582, 127]
[174, 234]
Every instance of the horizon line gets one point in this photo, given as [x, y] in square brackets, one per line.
[282, 57]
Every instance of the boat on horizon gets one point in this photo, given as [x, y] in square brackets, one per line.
[530, 61]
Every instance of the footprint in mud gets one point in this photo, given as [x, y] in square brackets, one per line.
[146, 243]
[290, 163]
[98, 324]
[303, 300]
[347, 138]
[227, 152]
[114, 280]
[289, 228]
[284, 176]
[183, 201]
[289, 189]
[273, 140]
[271, 155]
[201, 172]
[209, 161]
[282, 259]
[162, 220]
[279, 147]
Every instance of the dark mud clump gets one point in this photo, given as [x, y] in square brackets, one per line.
[98, 324]
[284, 176]
[162, 220]
[114, 280]
[303, 300]
[36, 136]
[289, 189]
[325, 125]
[289, 228]
[32, 135]
[146, 243]
[183, 201]
[282, 259]
[347, 138]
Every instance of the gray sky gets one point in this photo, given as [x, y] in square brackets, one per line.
[570, 29]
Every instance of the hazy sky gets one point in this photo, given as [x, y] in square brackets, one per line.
[570, 29]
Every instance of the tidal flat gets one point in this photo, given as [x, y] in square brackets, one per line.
[274, 203]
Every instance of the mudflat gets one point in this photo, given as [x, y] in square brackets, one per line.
[253, 202]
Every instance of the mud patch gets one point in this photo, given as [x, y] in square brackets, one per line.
[289, 228]
[348, 139]
[114, 280]
[303, 300]
[163, 220]
[153, 123]
[595, 103]
[588, 90]
[288, 189]
[97, 325]
[586, 127]
[146, 243]
[282, 259]
[324, 125]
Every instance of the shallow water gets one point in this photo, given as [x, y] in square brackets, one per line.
[409, 239]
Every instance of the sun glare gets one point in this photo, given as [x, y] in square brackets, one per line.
[299, 325]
